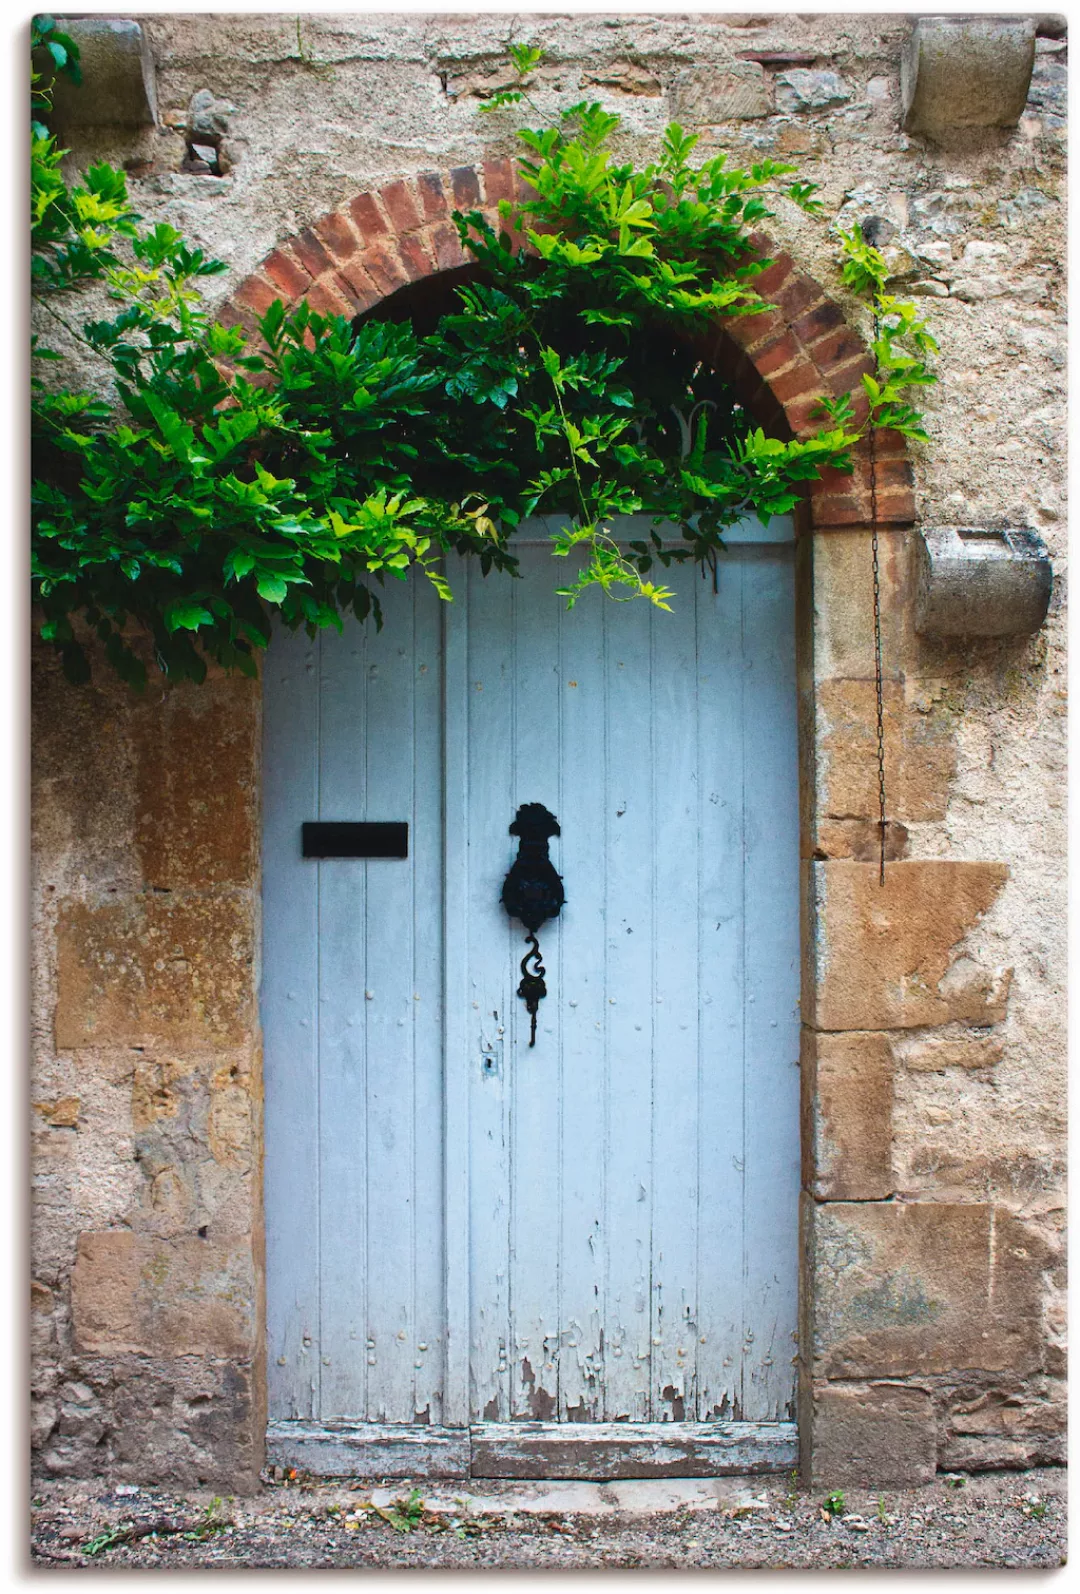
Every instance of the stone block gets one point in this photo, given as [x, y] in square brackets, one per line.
[869, 1436]
[933, 1054]
[843, 604]
[920, 753]
[859, 839]
[803, 90]
[889, 956]
[155, 1297]
[905, 1289]
[738, 91]
[848, 1100]
[196, 786]
[966, 72]
[160, 970]
[975, 581]
[119, 87]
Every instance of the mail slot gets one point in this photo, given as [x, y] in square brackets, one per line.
[355, 839]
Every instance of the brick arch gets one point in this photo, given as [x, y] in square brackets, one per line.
[782, 360]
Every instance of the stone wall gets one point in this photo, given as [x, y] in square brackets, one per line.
[934, 1047]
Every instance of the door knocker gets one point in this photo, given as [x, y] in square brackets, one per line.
[533, 892]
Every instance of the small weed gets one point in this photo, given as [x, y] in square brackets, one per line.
[882, 1515]
[1032, 1506]
[105, 1541]
[791, 1499]
[833, 1504]
[953, 1480]
[213, 1520]
[403, 1514]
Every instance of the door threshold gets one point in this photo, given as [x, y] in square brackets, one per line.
[583, 1450]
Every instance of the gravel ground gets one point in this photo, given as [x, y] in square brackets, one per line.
[987, 1519]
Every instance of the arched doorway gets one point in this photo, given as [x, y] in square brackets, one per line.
[499, 1204]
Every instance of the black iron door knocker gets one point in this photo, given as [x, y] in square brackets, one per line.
[533, 892]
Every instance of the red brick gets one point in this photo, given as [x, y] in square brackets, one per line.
[837, 509]
[466, 187]
[384, 268]
[257, 294]
[325, 298]
[750, 331]
[773, 278]
[889, 444]
[815, 323]
[836, 348]
[400, 206]
[310, 252]
[415, 256]
[848, 378]
[896, 508]
[360, 286]
[802, 378]
[894, 473]
[291, 279]
[801, 415]
[235, 315]
[446, 246]
[800, 294]
[774, 356]
[335, 232]
[498, 180]
[367, 216]
[429, 185]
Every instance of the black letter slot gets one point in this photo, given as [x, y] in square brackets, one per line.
[350, 839]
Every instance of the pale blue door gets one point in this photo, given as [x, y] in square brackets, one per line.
[471, 1241]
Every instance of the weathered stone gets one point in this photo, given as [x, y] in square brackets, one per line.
[992, 1453]
[848, 1096]
[196, 763]
[920, 754]
[871, 1436]
[62, 1114]
[887, 956]
[934, 1053]
[906, 1289]
[803, 90]
[844, 604]
[859, 839]
[964, 72]
[737, 91]
[155, 971]
[207, 116]
[628, 77]
[981, 582]
[119, 85]
[141, 1294]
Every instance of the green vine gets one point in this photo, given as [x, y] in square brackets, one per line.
[206, 487]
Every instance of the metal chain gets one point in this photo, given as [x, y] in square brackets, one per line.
[882, 822]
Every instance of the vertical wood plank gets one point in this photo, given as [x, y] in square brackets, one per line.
[579, 982]
[772, 989]
[632, 831]
[491, 985]
[720, 1138]
[343, 1180]
[289, 1011]
[675, 1056]
[457, 1019]
[390, 1003]
[532, 1073]
[429, 1014]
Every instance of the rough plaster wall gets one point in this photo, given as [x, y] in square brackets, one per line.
[979, 232]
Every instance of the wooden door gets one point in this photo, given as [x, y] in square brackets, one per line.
[577, 1258]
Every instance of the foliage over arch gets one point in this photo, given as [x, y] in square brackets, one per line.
[227, 484]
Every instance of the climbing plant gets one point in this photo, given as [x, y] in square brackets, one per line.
[204, 485]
